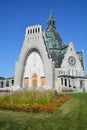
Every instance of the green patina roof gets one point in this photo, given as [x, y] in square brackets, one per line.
[56, 47]
[53, 38]
[58, 55]
[81, 58]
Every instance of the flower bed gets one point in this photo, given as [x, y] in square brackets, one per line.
[32, 101]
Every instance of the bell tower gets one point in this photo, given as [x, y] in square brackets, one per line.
[52, 36]
[51, 23]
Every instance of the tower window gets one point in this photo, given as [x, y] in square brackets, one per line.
[38, 29]
[28, 31]
[50, 22]
[53, 22]
[31, 31]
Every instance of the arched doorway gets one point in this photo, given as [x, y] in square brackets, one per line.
[34, 70]
[34, 80]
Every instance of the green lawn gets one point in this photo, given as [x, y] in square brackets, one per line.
[70, 116]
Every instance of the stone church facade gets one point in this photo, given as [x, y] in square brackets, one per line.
[46, 62]
[35, 66]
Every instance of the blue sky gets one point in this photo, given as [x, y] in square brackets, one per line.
[16, 15]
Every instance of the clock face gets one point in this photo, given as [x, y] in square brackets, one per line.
[71, 60]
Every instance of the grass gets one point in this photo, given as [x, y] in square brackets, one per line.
[70, 116]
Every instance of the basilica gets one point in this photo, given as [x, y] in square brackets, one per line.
[46, 62]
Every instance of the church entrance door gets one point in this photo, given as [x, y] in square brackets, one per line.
[26, 81]
[34, 80]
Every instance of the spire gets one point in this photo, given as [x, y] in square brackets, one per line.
[50, 14]
[51, 11]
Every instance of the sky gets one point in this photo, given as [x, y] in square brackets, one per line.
[17, 15]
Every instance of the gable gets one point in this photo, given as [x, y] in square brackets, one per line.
[71, 59]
